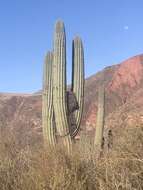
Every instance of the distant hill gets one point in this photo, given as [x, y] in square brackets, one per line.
[124, 100]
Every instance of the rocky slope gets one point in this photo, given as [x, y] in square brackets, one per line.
[124, 100]
[123, 83]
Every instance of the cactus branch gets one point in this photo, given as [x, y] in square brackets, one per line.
[47, 107]
[78, 80]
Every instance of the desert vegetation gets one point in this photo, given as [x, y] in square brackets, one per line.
[30, 166]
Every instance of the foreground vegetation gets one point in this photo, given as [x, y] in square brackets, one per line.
[30, 167]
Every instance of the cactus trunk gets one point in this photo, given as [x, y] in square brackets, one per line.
[47, 107]
[99, 140]
[59, 85]
[78, 80]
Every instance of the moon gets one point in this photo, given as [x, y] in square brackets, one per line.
[126, 27]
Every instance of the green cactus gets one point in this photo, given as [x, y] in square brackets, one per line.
[55, 97]
[59, 85]
[99, 139]
[78, 80]
[47, 107]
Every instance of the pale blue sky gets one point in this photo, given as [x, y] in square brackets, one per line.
[112, 30]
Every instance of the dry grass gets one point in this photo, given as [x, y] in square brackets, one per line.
[33, 168]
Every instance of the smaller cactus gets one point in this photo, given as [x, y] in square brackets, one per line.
[99, 139]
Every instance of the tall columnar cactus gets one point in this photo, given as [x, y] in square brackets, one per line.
[47, 107]
[59, 85]
[78, 79]
[56, 104]
[100, 118]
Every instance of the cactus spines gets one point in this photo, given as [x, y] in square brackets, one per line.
[59, 85]
[47, 107]
[78, 79]
[100, 118]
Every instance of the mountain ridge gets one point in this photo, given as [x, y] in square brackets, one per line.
[123, 87]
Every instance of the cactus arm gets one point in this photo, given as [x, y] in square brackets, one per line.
[59, 85]
[47, 102]
[78, 80]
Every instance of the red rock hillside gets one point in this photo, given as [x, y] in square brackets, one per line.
[124, 100]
